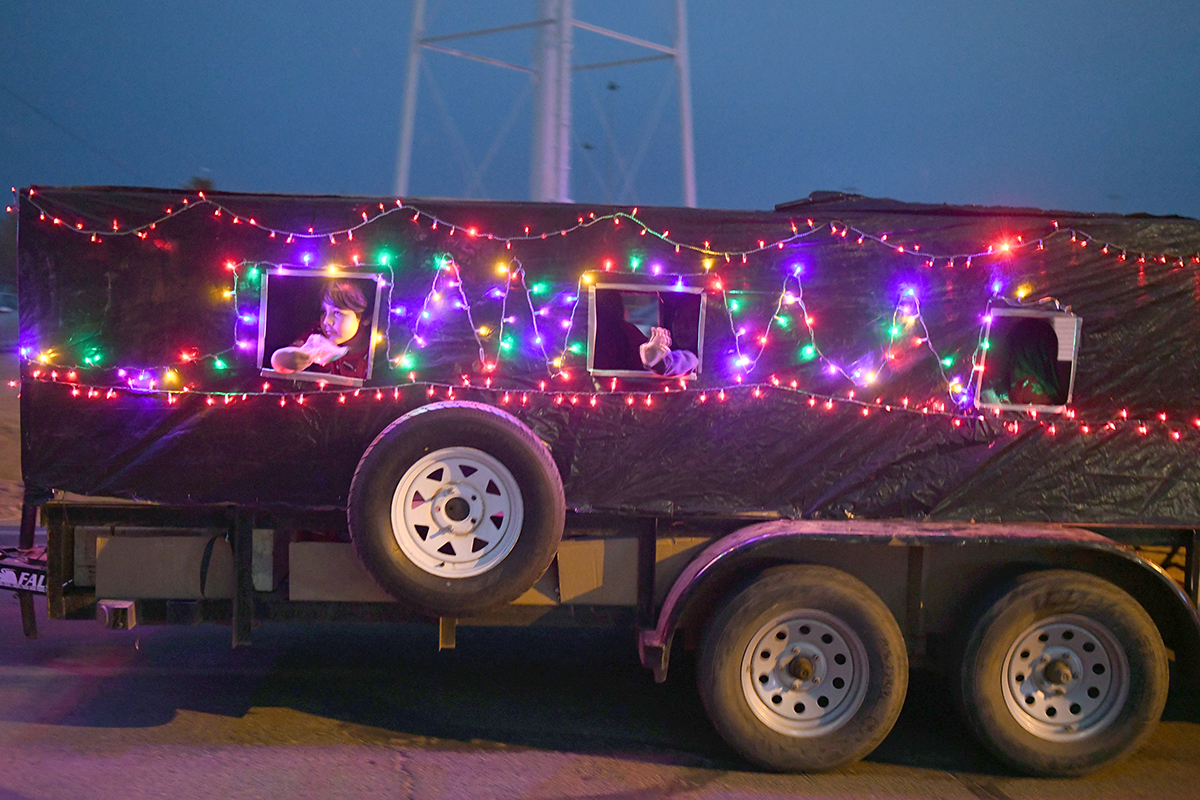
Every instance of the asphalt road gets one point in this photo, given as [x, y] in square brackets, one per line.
[316, 711]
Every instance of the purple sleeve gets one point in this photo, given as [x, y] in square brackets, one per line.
[680, 362]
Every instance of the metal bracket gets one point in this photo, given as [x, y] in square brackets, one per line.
[1191, 575]
[117, 615]
[447, 627]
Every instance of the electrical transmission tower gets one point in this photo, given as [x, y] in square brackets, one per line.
[550, 80]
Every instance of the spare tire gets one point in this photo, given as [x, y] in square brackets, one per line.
[456, 508]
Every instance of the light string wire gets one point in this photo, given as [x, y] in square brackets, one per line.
[506, 396]
[743, 360]
[1079, 237]
[256, 270]
[522, 397]
[247, 272]
[516, 274]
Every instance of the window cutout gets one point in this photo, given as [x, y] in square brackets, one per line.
[417, 499]
[1029, 360]
[318, 326]
[422, 531]
[447, 549]
[491, 488]
[478, 545]
[436, 475]
[497, 520]
[467, 471]
[622, 342]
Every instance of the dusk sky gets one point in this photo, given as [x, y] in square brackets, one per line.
[1062, 104]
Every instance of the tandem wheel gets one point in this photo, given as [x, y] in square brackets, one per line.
[805, 669]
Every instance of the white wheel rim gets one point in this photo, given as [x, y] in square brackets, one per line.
[457, 512]
[1065, 678]
[805, 673]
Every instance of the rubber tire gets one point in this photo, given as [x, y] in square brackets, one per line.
[798, 587]
[1038, 595]
[403, 443]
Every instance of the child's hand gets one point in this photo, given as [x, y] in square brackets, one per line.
[656, 348]
[321, 350]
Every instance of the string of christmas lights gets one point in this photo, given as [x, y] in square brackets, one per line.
[516, 274]
[1159, 425]
[906, 313]
[522, 397]
[448, 275]
[836, 227]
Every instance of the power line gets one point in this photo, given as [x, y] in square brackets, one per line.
[63, 129]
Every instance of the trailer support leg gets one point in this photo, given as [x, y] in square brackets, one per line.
[28, 618]
[28, 524]
[25, 542]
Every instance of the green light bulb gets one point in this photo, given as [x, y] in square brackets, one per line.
[808, 353]
[219, 364]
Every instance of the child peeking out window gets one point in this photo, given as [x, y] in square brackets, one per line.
[338, 343]
[1026, 366]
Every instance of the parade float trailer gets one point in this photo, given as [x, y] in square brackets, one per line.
[955, 436]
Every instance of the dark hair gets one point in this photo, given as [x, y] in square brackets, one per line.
[345, 295]
[1032, 347]
[610, 306]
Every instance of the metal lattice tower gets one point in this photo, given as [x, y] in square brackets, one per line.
[550, 78]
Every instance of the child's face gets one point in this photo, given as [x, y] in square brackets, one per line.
[338, 324]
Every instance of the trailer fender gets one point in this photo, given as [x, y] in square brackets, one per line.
[1166, 601]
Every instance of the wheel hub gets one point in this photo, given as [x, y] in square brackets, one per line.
[1065, 678]
[1058, 672]
[456, 512]
[457, 509]
[800, 668]
[805, 673]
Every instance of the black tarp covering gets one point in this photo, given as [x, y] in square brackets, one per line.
[133, 304]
